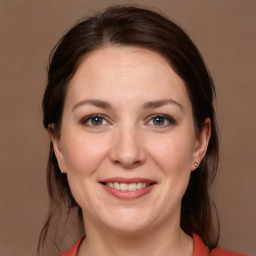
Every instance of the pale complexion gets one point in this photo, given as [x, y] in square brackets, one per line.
[143, 128]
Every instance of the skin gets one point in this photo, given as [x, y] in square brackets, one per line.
[128, 142]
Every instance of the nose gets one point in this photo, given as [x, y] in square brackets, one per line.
[127, 148]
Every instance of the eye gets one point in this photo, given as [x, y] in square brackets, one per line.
[94, 120]
[161, 120]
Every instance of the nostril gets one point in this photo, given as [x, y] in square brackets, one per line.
[129, 165]
[127, 155]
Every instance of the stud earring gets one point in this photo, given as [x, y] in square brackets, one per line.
[196, 164]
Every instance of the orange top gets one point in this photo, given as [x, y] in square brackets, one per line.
[199, 249]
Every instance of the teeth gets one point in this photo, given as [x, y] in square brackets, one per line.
[139, 185]
[127, 187]
[116, 185]
[132, 186]
[123, 186]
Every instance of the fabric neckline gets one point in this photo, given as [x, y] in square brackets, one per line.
[198, 250]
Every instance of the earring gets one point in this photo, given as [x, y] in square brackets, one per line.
[196, 164]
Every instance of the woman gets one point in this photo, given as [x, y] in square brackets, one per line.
[134, 142]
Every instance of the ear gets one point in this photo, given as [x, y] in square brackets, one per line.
[56, 142]
[201, 144]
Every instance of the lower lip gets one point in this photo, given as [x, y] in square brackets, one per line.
[128, 194]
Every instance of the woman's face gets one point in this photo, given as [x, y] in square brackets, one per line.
[127, 141]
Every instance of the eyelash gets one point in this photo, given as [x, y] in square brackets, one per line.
[169, 119]
[90, 117]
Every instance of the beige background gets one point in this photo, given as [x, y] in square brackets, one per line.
[224, 31]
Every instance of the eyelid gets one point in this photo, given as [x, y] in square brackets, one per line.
[87, 118]
[168, 118]
[171, 120]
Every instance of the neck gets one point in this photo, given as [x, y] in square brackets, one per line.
[159, 240]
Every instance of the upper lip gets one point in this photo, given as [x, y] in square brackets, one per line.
[127, 180]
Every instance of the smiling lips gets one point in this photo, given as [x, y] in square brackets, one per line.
[123, 188]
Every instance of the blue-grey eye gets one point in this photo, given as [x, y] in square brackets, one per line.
[159, 120]
[97, 120]
[94, 120]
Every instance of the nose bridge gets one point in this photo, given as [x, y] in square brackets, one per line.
[127, 148]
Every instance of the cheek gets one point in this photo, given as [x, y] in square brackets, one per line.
[173, 156]
[173, 153]
[83, 153]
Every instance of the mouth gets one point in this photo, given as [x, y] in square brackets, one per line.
[123, 188]
[127, 186]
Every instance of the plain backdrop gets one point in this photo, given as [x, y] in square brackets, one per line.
[225, 33]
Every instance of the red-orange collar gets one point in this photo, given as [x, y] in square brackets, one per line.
[199, 249]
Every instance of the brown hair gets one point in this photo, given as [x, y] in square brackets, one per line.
[133, 26]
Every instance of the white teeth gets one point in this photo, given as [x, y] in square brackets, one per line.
[132, 187]
[127, 187]
[139, 185]
[116, 185]
[123, 186]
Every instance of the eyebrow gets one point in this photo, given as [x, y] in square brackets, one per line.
[160, 103]
[147, 105]
[94, 102]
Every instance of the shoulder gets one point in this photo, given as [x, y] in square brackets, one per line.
[201, 250]
[74, 249]
[222, 252]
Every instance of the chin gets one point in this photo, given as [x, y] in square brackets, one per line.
[128, 221]
[128, 228]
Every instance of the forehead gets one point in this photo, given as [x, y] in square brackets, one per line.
[126, 72]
